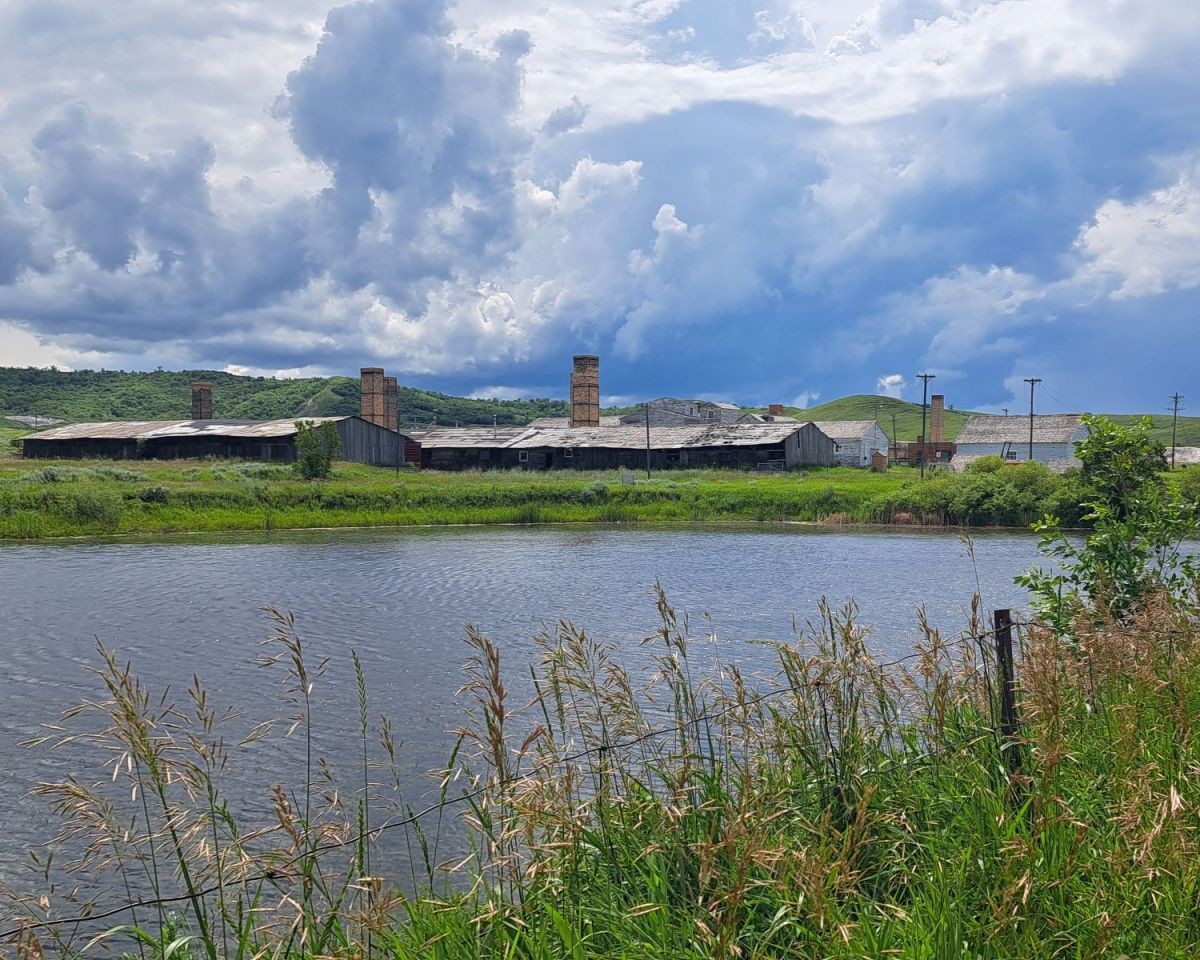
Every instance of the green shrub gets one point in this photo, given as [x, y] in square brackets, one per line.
[986, 465]
[92, 506]
[317, 446]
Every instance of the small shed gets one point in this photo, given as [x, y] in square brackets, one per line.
[857, 440]
[360, 441]
[1054, 438]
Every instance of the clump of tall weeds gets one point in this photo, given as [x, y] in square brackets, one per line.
[659, 799]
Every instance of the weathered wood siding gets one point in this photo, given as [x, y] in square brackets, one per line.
[363, 442]
[809, 447]
[857, 451]
[360, 442]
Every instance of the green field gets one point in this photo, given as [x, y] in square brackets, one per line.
[63, 498]
[93, 498]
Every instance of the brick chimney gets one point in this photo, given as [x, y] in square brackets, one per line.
[938, 424]
[585, 391]
[371, 403]
[775, 410]
[202, 401]
[391, 402]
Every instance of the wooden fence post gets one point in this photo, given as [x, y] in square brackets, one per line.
[1009, 725]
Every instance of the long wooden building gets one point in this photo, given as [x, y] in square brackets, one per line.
[785, 446]
[273, 440]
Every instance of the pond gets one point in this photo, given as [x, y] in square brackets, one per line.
[400, 599]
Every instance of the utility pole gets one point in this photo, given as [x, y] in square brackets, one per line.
[1033, 382]
[646, 407]
[924, 378]
[895, 445]
[1175, 398]
[1005, 409]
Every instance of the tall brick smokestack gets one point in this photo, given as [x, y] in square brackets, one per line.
[938, 424]
[372, 403]
[202, 401]
[585, 391]
[391, 401]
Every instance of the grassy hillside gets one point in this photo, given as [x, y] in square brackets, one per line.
[865, 407]
[166, 395]
[1189, 428]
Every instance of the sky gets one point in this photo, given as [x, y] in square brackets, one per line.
[763, 201]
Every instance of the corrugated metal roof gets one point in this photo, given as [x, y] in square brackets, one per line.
[612, 438]
[845, 429]
[1047, 428]
[661, 438]
[483, 438]
[544, 423]
[155, 429]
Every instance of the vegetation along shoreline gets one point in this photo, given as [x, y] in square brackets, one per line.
[44, 500]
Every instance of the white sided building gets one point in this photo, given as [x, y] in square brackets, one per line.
[857, 440]
[1054, 439]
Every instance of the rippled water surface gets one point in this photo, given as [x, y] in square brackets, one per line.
[401, 599]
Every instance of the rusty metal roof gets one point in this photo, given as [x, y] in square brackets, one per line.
[156, 429]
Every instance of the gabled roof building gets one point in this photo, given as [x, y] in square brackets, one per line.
[1053, 439]
[360, 440]
[857, 440]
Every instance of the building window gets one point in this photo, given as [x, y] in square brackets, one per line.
[568, 453]
[522, 456]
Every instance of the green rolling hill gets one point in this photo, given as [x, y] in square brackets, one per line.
[866, 407]
[166, 395]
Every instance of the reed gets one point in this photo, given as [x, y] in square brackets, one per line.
[653, 800]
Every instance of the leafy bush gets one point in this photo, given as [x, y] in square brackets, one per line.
[1133, 551]
[1189, 484]
[986, 465]
[92, 506]
[317, 446]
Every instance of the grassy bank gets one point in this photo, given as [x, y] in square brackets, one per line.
[665, 805]
[58, 498]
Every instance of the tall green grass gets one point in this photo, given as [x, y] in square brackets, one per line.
[219, 496]
[669, 805]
